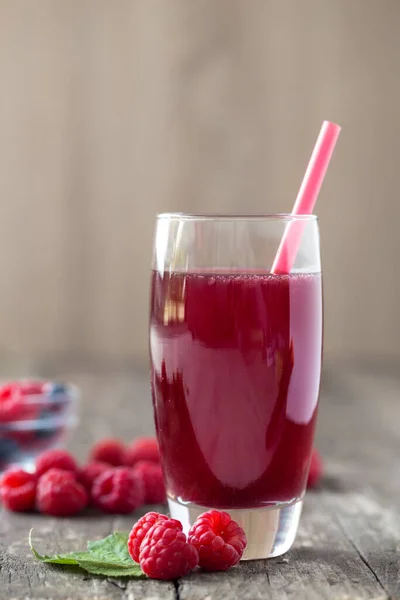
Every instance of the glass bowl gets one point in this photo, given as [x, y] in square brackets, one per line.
[34, 416]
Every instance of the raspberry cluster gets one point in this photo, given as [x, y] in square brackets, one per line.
[116, 479]
[215, 543]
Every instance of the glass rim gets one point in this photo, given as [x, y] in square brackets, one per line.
[180, 216]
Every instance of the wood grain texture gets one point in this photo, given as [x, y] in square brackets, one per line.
[375, 532]
[323, 564]
[113, 111]
[349, 539]
[22, 577]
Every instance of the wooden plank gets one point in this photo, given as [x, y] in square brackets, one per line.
[375, 533]
[358, 432]
[322, 565]
[348, 538]
[21, 576]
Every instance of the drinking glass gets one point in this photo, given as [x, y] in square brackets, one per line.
[235, 370]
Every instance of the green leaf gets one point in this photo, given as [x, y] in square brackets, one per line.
[108, 557]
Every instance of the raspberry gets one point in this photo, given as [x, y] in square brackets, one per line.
[219, 540]
[12, 407]
[90, 472]
[109, 451]
[118, 490]
[18, 490]
[316, 468]
[151, 475]
[139, 531]
[55, 459]
[165, 553]
[24, 438]
[143, 448]
[59, 494]
[32, 387]
[8, 450]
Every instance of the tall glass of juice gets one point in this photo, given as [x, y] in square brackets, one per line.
[235, 370]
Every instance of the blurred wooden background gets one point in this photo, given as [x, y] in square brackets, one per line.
[111, 111]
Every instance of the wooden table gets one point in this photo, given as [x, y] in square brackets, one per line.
[348, 545]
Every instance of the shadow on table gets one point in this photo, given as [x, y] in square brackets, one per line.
[335, 484]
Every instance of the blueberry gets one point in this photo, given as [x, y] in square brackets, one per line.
[45, 427]
[46, 413]
[8, 448]
[56, 388]
[43, 434]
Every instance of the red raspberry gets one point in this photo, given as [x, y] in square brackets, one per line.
[316, 469]
[139, 531]
[18, 490]
[24, 438]
[110, 451]
[118, 491]
[90, 472]
[219, 540]
[55, 459]
[144, 448]
[59, 494]
[32, 386]
[151, 475]
[16, 404]
[12, 406]
[165, 553]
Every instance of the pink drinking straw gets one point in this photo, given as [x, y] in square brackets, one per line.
[306, 198]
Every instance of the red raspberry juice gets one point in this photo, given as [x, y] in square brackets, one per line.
[235, 361]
